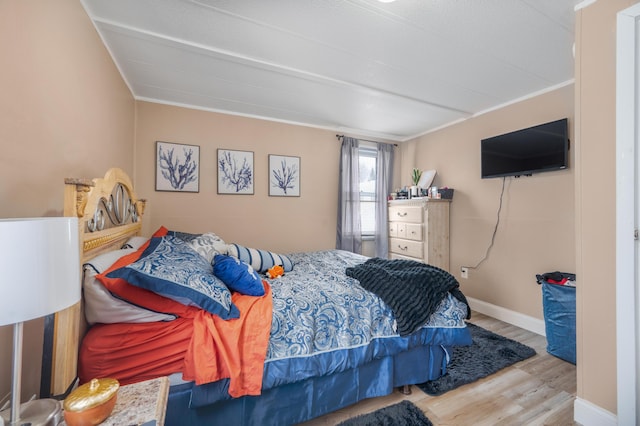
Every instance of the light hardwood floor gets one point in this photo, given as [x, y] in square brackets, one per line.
[536, 391]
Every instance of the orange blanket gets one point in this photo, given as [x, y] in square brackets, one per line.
[134, 352]
[201, 345]
[234, 349]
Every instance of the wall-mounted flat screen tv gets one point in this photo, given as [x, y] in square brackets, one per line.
[541, 148]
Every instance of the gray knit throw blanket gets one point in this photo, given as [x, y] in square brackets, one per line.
[413, 290]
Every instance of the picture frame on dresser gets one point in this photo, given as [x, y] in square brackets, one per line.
[235, 172]
[177, 167]
[284, 176]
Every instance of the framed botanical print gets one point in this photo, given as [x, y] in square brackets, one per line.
[177, 167]
[284, 176]
[235, 172]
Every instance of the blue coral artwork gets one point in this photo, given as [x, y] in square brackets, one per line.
[235, 172]
[284, 176]
[177, 167]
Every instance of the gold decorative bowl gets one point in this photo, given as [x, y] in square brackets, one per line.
[91, 403]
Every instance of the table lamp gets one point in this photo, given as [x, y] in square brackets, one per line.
[39, 275]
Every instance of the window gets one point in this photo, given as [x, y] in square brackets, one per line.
[367, 162]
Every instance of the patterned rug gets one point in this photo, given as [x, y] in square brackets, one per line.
[404, 413]
[488, 354]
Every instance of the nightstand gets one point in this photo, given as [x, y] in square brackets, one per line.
[142, 403]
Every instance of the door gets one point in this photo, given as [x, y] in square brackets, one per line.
[627, 215]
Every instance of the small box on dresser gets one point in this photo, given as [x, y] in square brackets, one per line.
[419, 230]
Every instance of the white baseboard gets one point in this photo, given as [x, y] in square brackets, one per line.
[532, 324]
[584, 412]
[589, 414]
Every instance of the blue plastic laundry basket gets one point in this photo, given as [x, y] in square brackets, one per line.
[559, 306]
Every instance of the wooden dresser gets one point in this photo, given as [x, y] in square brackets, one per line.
[419, 230]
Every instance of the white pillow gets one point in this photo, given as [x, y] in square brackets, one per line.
[208, 245]
[103, 307]
[134, 243]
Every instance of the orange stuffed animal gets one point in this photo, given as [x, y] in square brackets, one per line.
[275, 272]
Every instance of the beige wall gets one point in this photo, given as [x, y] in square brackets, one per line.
[284, 224]
[536, 229]
[64, 112]
[595, 200]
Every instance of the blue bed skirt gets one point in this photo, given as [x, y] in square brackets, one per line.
[297, 402]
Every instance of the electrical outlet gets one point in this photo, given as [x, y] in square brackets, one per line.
[464, 272]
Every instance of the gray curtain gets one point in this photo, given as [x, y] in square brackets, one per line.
[349, 235]
[384, 177]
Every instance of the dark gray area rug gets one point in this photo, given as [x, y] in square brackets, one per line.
[404, 413]
[488, 354]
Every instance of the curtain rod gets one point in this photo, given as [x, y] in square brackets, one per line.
[364, 140]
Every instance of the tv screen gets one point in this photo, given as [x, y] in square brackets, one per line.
[541, 148]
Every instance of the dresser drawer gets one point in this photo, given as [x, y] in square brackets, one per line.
[412, 231]
[411, 214]
[406, 247]
[399, 256]
[393, 229]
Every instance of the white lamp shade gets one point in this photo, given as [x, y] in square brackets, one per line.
[39, 267]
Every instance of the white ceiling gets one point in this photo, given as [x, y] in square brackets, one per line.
[389, 71]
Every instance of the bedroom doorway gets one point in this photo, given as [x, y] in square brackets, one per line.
[628, 214]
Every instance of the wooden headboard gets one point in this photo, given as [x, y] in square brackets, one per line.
[109, 213]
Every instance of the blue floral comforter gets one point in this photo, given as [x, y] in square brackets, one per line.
[324, 322]
[325, 319]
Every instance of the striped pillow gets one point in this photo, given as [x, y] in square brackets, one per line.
[260, 260]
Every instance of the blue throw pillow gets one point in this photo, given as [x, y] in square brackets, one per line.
[260, 260]
[170, 268]
[237, 275]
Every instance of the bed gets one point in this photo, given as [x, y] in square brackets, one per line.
[314, 341]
